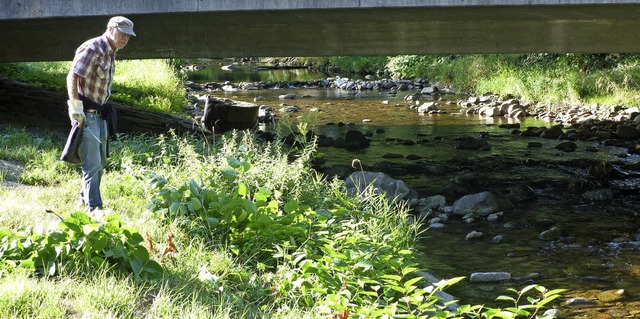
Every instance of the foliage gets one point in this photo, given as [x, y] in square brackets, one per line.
[538, 298]
[351, 256]
[352, 64]
[80, 240]
[252, 232]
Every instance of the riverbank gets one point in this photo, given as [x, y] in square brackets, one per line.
[238, 229]
[559, 81]
[118, 188]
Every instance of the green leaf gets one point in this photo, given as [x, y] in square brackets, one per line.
[365, 264]
[246, 166]
[324, 213]
[395, 278]
[233, 162]
[291, 206]
[173, 208]
[527, 288]
[89, 228]
[242, 189]
[242, 216]
[133, 237]
[138, 258]
[27, 263]
[196, 204]
[98, 241]
[212, 221]
[153, 269]
[249, 206]
[229, 174]
[506, 298]
[411, 282]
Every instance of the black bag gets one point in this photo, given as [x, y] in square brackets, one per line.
[70, 151]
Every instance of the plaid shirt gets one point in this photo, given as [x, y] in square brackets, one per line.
[94, 63]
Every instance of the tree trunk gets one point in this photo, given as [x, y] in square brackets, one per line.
[35, 106]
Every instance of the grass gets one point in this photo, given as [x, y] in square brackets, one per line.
[159, 88]
[559, 80]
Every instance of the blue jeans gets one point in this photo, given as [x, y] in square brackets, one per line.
[93, 152]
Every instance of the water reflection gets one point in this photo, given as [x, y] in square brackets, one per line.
[221, 71]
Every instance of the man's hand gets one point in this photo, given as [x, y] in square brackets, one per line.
[76, 111]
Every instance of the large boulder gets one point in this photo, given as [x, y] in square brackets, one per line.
[481, 204]
[355, 140]
[381, 183]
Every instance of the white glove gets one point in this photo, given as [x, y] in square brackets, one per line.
[76, 111]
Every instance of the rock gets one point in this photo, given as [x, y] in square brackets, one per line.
[426, 107]
[10, 171]
[533, 131]
[289, 109]
[611, 295]
[473, 235]
[481, 204]
[473, 144]
[430, 90]
[552, 313]
[355, 140]
[553, 132]
[290, 96]
[494, 217]
[567, 146]
[224, 114]
[497, 239]
[627, 132]
[381, 183]
[580, 302]
[433, 202]
[436, 226]
[552, 233]
[479, 277]
[599, 195]
[521, 193]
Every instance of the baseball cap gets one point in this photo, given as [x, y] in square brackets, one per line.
[123, 24]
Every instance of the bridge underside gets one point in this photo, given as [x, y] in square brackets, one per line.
[327, 32]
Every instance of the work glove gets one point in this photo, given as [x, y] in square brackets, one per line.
[76, 111]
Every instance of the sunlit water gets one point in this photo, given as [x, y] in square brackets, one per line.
[599, 250]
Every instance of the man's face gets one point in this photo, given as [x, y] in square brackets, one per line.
[119, 38]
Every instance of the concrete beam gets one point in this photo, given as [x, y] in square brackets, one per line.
[39, 30]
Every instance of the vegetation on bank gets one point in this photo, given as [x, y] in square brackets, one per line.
[154, 85]
[201, 228]
[197, 228]
[557, 80]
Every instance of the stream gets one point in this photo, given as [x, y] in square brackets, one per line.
[596, 251]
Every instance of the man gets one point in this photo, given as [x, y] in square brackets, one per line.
[89, 87]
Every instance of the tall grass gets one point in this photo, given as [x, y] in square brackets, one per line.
[159, 87]
[155, 85]
[554, 79]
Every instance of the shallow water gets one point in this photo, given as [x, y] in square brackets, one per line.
[599, 248]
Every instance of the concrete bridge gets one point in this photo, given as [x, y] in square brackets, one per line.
[43, 30]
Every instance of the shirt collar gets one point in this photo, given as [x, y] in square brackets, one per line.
[107, 45]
